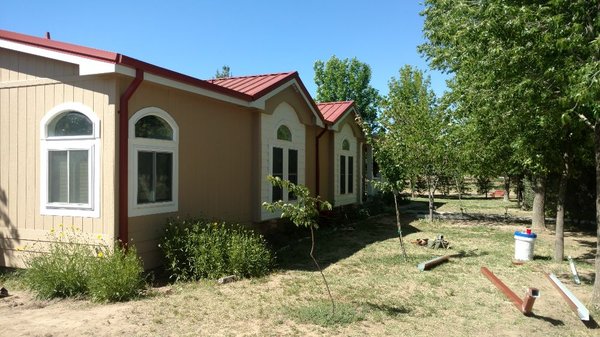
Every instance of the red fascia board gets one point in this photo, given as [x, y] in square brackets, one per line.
[179, 77]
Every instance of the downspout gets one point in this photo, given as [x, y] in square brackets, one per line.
[318, 176]
[124, 156]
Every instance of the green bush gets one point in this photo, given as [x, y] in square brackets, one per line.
[116, 275]
[74, 267]
[61, 272]
[195, 249]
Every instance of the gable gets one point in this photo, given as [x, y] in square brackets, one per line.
[350, 121]
[17, 67]
[292, 96]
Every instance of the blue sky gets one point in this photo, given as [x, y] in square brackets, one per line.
[252, 37]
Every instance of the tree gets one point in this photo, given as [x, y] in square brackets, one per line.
[224, 72]
[410, 115]
[389, 151]
[531, 64]
[347, 80]
[303, 213]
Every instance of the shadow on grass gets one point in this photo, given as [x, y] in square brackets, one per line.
[389, 310]
[333, 244]
[554, 322]
[591, 324]
[418, 205]
[591, 254]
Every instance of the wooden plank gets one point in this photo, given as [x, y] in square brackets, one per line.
[31, 162]
[13, 157]
[4, 152]
[39, 113]
[20, 174]
[48, 104]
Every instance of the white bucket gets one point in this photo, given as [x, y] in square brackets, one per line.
[524, 244]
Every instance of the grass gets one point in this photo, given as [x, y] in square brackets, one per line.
[377, 292]
[470, 204]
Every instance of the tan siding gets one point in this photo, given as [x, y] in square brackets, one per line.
[215, 162]
[23, 104]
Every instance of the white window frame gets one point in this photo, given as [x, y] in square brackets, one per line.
[152, 145]
[286, 145]
[90, 143]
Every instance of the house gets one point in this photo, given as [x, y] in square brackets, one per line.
[113, 146]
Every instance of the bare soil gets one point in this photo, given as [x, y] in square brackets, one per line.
[365, 270]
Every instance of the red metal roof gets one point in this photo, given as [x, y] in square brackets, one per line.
[332, 111]
[253, 85]
[116, 58]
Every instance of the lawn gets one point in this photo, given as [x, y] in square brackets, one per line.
[377, 293]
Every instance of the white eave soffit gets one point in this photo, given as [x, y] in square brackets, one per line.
[261, 102]
[336, 126]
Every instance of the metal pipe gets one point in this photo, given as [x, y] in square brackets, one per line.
[123, 155]
[572, 301]
[432, 263]
[524, 305]
[530, 296]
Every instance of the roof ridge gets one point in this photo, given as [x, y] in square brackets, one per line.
[336, 102]
[249, 76]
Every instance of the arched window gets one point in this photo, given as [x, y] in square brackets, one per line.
[285, 163]
[346, 145]
[284, 133]
[153, 158]
[70, 171]
[346, 169]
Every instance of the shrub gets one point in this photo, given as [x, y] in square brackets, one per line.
[75, 267]
[195, 249]
[116, 275]
[61, 272]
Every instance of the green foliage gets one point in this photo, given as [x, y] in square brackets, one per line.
[197, 249]
[484, 184]
[117, 275]
[224, 72]
[63, 271]
[76, 267]
[305, 211]
[347, 80]
[318, 313]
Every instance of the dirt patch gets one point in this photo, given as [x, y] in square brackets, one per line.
[365, 271]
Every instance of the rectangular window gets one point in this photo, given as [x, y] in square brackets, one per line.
[350, 174]
[277, 172]
[292, 170]
[342, 174]
[155, 177]
[68, 175]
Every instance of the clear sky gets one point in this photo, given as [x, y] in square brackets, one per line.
[252, 36]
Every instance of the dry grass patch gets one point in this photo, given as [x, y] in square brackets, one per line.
[377, 292]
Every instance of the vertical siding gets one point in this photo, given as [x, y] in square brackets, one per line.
[23, 102]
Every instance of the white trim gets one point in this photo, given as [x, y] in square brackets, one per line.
[261, 102]
[346, 133]
[65, 107]
[194, 89]
[89, 143]
[283, 114]
[87, 66]
[336, 125]
[152, 145]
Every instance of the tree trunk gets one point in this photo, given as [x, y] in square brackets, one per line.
[412, 188]
[399, 226]
[559, 240]
[457, 182]
[596, 292]
[539, 190]
[506, 188]
[312, 256]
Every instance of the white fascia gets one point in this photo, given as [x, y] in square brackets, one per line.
[336, 125]
[87, 66]
[261, 102]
